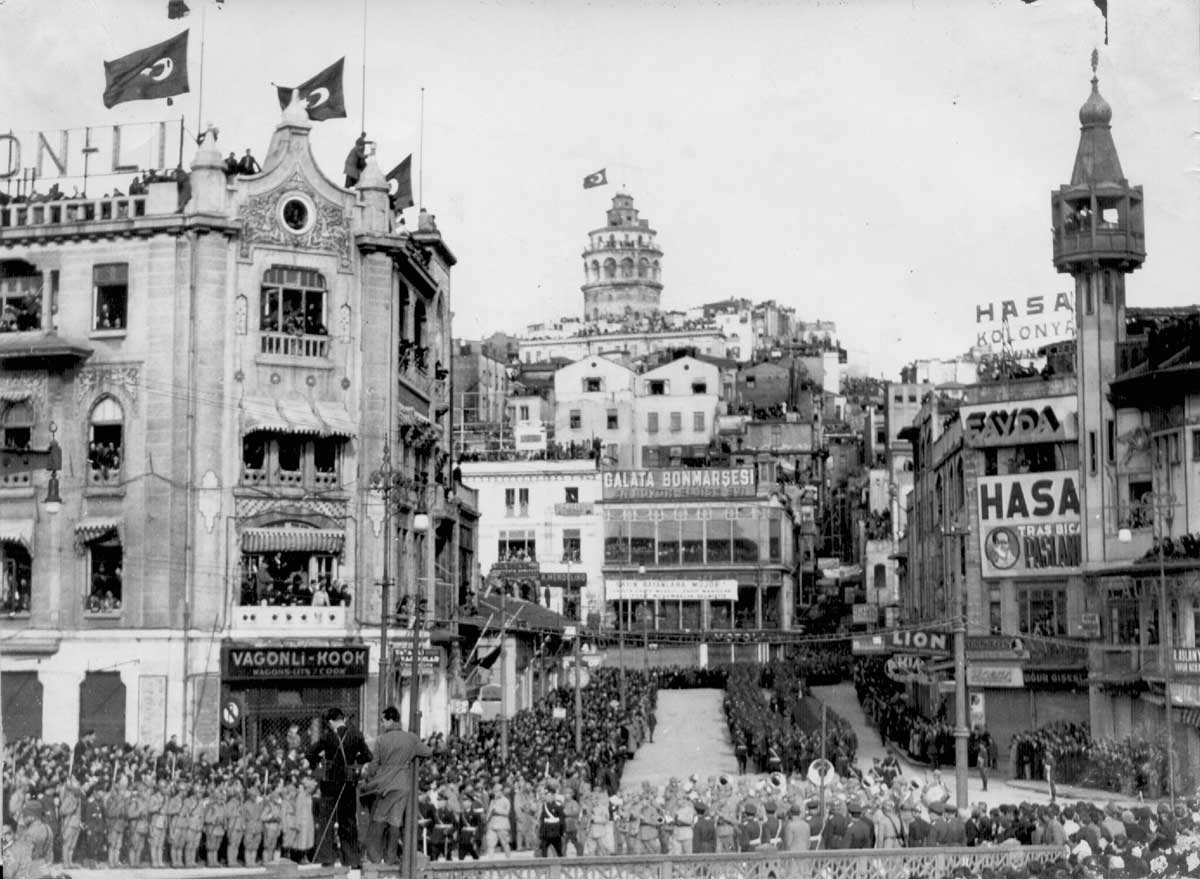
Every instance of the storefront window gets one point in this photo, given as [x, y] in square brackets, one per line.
[641, 543]
[745, 539]
[1042, 611]
[718, 538]
[689, 613]
[616, 542]
[668, 543]
[691, 542]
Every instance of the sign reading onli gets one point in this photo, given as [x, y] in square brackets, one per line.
[681, 482]
[1029, 524]
[275, 663]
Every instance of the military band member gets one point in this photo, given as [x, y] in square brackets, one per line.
[272, 821]
[156, 805]
[115, 821]
[252, 824]
[195, 824]
[176, 823]
[214, 825]
[70, 810]
[234, 824]
[139, 823]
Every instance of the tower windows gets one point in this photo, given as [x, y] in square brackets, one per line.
[610, 268]
[627, 268]
[643, 268]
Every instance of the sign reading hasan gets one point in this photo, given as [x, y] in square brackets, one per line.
[1029, 524]
[681, 482]
[274, 663]
[1046, 420]
[1019, 327]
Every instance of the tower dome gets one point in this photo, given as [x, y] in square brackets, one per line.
[622, 266]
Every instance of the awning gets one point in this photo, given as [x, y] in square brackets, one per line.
[336, 419]
[300, 417]
[93, 528]
[319, 418]
[15, 395]
[292, 540]
[17, 531]
[259, 413]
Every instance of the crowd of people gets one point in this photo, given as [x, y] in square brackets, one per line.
[554, 451]
[1129, 766]
[272, 583]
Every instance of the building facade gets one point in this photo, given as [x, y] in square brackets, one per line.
[224, 366]
[622, 265]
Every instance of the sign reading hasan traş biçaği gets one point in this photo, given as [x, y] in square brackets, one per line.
[1029, 524]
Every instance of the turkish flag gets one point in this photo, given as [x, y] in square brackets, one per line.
[402, 196]
[159, 71]
[323, 94]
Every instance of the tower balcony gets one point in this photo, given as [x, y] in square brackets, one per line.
[1098, 225]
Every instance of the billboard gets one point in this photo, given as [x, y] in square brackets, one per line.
[1029, 524]
[677, 482]
[672, 590]
[1018, 327]
[1044, 420]
[97, 151]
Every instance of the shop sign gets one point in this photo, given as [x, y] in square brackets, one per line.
[559, 580]
[70, 153]
[865, 614]
[1029, 524]
[281, 663]
[995, 647]
[1056, 678]
[677, 482]
[673, 590]
[906, 669]
[427, 658]
[901, 641]
[1019, 327]
[1187, 661]
[1046, 420]
[1089, 625]
[1001, 677]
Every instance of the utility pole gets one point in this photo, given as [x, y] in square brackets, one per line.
[961, 731]
[1164, 514]
[578, 695]
[503, 674]
[414, 727]
[383, 480]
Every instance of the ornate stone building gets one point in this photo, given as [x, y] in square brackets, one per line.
[622, 265]
[224, 362]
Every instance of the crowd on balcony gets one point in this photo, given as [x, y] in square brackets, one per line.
[572, 451]
[1185, 547]
[879, 525]
[269, 585]
[104, 459]
[105, 594]
[16, 595]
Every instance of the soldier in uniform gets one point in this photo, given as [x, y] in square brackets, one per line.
[235, 826]
[498, 822]
[860, 833]
[115, 821]
[684, 817]
[156, 806]
[443, 833]
[772, 828]
[648, 821]
[749, 830]
[176, 823]
[70, 810]
[727, 824]
[214, 825]
[94, 831]
[470, 828]
[139, 823]
[600, 826]
[252, 824]
[704, 831]
[630, 824]
[571, 824]
[194, 809]
[272, 820]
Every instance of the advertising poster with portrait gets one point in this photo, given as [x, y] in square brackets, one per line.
[1029, 524]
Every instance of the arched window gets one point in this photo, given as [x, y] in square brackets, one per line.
[643, 268]
[595, 270]
[610, 268]
[18, 425]
[293, 319]
[106, 441]
[879, 576]
[654, 271]
[627, 268]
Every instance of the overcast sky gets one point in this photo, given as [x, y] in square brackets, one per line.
[886, 164]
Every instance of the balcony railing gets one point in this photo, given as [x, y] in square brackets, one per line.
[63, 213]
[292, 345]
[845, 864]
[288, 618]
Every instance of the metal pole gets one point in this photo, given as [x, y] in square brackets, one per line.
[503, 674]
[961, 733]
[621, 638]
[578, 699]
[1164, 640]
[824, 730]
[414, 727]
[385, 595]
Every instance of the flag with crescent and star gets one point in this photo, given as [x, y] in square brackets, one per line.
[600, 178]
[158, 71]
[402, 196]
[323, 94]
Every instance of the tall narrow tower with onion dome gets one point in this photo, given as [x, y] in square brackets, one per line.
[622, 266]
[1099, 238]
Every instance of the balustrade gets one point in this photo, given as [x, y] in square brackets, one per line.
[846, 864]
[67, 212]
[293, 345]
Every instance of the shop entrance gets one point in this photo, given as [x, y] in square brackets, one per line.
[272, 710]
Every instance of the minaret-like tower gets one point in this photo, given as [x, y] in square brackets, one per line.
[1099, 238]
[621, 266]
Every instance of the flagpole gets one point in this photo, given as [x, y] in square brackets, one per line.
[421, 150]
[363, 127]
[200, 90]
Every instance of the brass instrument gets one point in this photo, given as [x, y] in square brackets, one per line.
[724, 780]
[778, 782]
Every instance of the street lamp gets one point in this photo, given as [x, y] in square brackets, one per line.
[959, 627]
[1162, 504]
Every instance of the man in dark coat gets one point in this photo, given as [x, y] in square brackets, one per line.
[390, 778]
[356, 160]
[342, 751]
[860, 833]
[704, 832]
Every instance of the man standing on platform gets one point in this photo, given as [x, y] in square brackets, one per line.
[343, 752]
[391, 778]
[70, 810]
[156, 808]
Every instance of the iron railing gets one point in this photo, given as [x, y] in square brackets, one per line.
[844, 864]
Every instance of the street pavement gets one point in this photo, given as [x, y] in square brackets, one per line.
[691, 738]
[842, 699]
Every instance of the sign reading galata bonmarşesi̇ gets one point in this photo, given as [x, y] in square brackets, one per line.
[1047, 419]
[678, 482]
[1029, 524]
